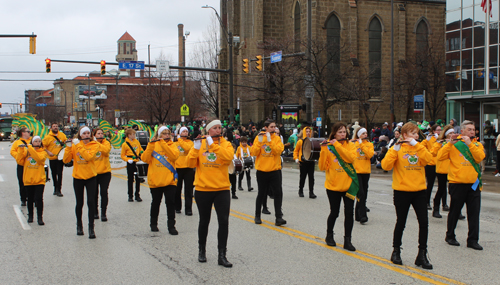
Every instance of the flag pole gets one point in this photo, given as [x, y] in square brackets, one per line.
[487, 49]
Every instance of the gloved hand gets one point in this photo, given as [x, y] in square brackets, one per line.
[197, 144]
[436, 136]
[261, 138]
[130, 161]
[397, 147]
[413, 142]
[76, 141]
[360, 141]
[210, 140]
[268, 135]
[297, 160]
[429, 137]
[178, 136]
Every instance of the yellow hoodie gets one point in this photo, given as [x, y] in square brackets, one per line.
[442, 166]
[408, 163]
[184, 146]
[34, 165]
[83, 156]
[127, 153]
[15, 147]
[336, 178]
[159, 175]
[429, 144]
[461, 170]
[364, 152]
[102, 157]
[267, 154]
[211, 164]
[297, 152]
[52, 145]
[246, 151]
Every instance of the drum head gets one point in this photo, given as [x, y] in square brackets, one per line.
[306, 148]
[61, 154]
[230, 168]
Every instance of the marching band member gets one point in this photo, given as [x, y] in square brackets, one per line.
[24, 137]
[211, 157]
[54, 142]
[430, 169]
[83, 153]
[267, 149]
[243, 152]
[161, 155]
[306, 166]
[362, 164]
[103, 169]
[186, 174]
[465, 154]
[232, 177]
[341, 183]
[131, 151]
[408, 159]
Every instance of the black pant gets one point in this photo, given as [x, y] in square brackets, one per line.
[334, 197]
[221, 200]
[402, 202]
[442, 181]
[306, 169]
[102, 187]
[232, 180]
[430, 175]
[464, 194]
[22, 190]
[264, 181]
[35, 194]
[498, 160]
[131, 169]
[360, 210]
[157, 195]
[91, 186]
[185, 175]
[249, 178]
[56, 168]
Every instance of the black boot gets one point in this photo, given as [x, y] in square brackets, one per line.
[422, 259]
[435, 213]
[239, 186]
[104, 218]
[30, 217]
[79, 229]
[153, 223]
[249, 184]
[138, 197]
[233, 196]
[329, 239]
[301, 193]
[396, 256]
[171, 228]
[202, 254]
[311, 195]
[91, 231]
[348, 245]
[40, 221]
[223, 260]
[96, 215]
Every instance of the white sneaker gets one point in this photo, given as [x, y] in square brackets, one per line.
[497, 175]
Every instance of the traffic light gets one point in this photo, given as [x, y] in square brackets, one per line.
[260, 63]
[75, 105]
[0, 105]
[32, 45]
[21, 105]
[47, 65]
[236, 111]
[103, 67]
[246, 67]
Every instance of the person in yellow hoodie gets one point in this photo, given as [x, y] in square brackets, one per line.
[242, 152]
[362, 164]
[211, 157]
[267, 148]
[407, 159]
[103, 169]
[131, 151]
[83, 153]
[336, 156]
[185, 173]
[430, 168]
[161, 155]
[54, 142]
[306, 167]
[33, 158]
[465, 153]
[24, 137]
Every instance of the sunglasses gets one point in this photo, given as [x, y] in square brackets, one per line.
[26, 131]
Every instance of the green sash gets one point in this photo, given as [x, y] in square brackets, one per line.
[349, 169]
[465, 151]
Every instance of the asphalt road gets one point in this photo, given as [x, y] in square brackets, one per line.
[127, 252]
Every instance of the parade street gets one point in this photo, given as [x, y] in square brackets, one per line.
[127, 252]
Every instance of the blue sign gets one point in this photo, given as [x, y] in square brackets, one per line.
[41, 104]
[418, 103]
[131, 65]
[276, 56]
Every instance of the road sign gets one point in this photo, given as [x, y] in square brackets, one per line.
[131, 65]
[117, 113]
[89, 116]
[318, 122]
[184, 110]
[276, 56]
[309, 91]
[89, 122]
[418, 103]
[41, 104]
[162, 66]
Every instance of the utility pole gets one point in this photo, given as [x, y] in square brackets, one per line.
[309, 64]
[392, 64]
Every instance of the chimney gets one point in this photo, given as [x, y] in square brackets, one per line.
[181, 51]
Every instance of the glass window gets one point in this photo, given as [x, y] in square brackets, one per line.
[493, 56]
[466, 3]
[452, 5]
[479, 16]
[494, 12]
[453, 82]
[452, 41]
[478, 79]
[422, 39]
[375, 56]
[333, 48]
[478, 58]
[466, 78]
[467, 17]
[453, 61]
[491, 115]
[478, 36]
[453, 20]
[494, 33]
[297, 26]
[493, 79]
[467, 59]
[467, 38]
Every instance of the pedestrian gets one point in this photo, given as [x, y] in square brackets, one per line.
[24, 137]
[54, 142]
[497, 144]
[232, 176]
[395, 139]
[430, 168]
[267, 148]
[83, 152]
[306, 166]
[243, 152]
[464, 177]
[103, 169]
[364, 153]
[211, 158]
[407, 159]
[185, 173]
[131, 151]
[336, 159]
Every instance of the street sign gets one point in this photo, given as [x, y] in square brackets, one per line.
[89, 122]
[41, 104]
[309, 91]
[184, 110]
[131, 65]
[89, 116]
[162, 66]
[318, 122]
[276, 56]
[418, 103]
[117, 113]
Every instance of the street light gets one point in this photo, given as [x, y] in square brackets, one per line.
[229, 38]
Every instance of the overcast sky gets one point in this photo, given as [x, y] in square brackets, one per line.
[89, 30]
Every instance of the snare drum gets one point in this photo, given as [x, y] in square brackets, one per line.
[142, 169]
[311, 147]
[248, 162]
[235, 167]
[60, 155]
